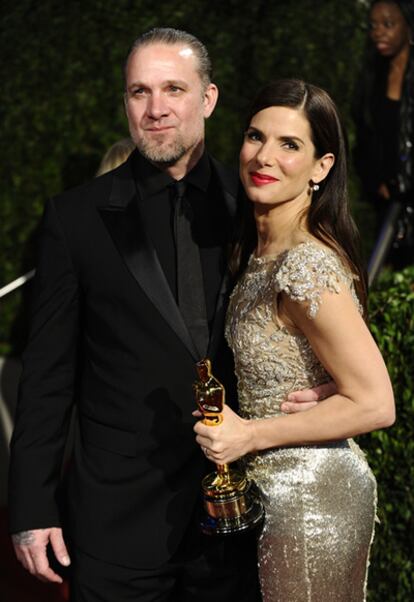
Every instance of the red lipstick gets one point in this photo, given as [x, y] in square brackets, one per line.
[261, 179]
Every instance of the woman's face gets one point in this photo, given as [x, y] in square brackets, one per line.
[389, 30]
[277, 159]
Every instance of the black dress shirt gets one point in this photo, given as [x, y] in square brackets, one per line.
[210, 222]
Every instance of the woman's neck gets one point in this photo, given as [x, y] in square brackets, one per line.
[279, 228]
[398, 65]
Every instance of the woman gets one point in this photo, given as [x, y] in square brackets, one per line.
[384, 117]
[295, 320]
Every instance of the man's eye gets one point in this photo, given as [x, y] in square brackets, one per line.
[137, 91]
[174, 89]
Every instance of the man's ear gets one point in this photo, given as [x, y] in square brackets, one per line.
[323, 166]
[211, 94]
[125, 97]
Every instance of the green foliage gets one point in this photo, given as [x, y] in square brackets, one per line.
[391, 451]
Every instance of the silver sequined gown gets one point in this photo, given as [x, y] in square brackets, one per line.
[320, 499]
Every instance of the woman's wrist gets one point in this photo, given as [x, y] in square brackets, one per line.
[253, 439]
[264, 434]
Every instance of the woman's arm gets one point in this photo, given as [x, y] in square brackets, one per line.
[363, 402]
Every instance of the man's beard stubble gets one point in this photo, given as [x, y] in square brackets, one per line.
[163, 156]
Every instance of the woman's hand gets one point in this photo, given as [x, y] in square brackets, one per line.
[227, 442]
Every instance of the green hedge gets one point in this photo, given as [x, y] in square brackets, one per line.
[391, 452]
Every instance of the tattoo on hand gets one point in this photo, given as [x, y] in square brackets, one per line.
[24, 538]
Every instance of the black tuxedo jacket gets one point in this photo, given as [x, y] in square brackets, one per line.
[106, 330]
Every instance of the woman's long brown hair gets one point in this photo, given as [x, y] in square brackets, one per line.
[329, 218]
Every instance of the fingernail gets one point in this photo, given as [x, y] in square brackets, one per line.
[65, 560]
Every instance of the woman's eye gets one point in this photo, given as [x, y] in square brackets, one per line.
[290, 145]
[387, 24]
[252, 135]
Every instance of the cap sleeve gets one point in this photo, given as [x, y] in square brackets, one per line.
[307, 271]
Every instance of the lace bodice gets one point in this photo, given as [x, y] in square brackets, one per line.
[270, 359]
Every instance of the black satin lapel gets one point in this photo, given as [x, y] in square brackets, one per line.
[126, 229]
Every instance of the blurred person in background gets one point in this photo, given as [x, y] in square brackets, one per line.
[384, 117]
[115, 155]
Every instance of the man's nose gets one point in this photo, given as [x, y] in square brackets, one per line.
[157, 107]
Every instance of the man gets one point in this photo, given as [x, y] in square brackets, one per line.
[108, 326]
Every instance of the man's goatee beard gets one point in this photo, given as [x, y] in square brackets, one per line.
[164, 157]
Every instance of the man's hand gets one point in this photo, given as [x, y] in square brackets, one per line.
[300, 401]
[30, 548]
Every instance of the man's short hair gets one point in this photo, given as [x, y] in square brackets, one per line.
[168, 35]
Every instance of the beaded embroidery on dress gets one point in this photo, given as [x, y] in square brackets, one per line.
[320, 500]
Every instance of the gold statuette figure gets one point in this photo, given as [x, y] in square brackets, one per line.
[231, 502]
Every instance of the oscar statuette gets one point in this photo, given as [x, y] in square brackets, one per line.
[231, 502]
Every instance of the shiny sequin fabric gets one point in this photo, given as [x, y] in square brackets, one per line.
[320, 499]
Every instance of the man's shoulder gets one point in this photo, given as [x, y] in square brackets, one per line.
[228, 177]
[91, 193]
[224, 170]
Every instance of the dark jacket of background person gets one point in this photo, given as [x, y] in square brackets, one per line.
[101, 296]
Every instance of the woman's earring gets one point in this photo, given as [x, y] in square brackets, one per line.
[315, 187]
